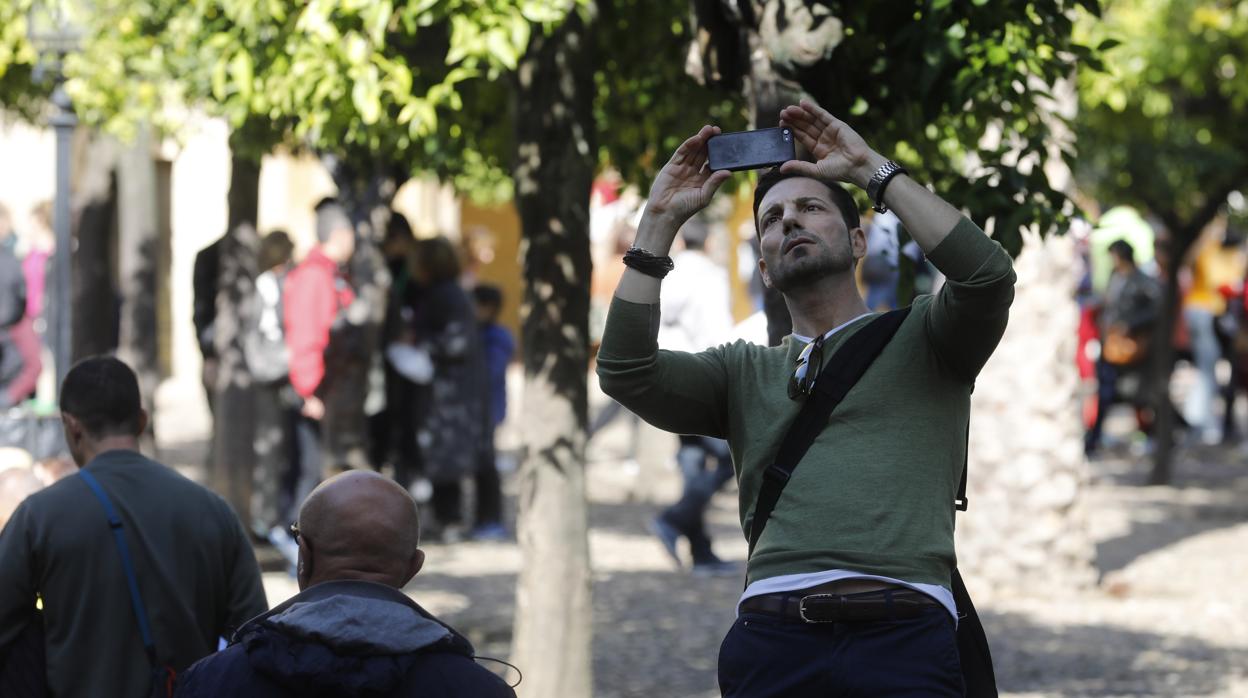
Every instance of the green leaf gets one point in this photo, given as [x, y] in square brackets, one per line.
[241, 72]
[366, 95]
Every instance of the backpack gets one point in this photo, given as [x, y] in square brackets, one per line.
[264, 337]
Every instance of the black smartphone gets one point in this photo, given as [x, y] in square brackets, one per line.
[750, 150]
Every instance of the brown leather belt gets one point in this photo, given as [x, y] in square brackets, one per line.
[806, 607]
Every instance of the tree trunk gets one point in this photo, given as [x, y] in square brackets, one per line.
[137, 263]
[555, 162]
[1027, 522]
[233, 455]
[95, 213]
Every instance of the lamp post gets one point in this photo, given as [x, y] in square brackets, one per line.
[54, 32]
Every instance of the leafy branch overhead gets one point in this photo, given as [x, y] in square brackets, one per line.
[333, 75]
[1160, 127]
[957, 89]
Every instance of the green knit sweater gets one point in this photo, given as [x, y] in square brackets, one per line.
[875, 492]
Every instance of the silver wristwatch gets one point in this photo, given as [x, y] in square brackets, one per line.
[880, 180]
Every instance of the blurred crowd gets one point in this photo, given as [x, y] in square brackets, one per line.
[440, 356]
[1127, 271]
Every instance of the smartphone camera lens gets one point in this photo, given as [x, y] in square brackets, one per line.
[788, 135]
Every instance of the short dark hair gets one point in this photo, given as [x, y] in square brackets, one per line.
[275, 248]
[330, 216]
[1123, 250]
[843, 200]
[437, 258]
[488, 295]
[398, 227]
[102, 393]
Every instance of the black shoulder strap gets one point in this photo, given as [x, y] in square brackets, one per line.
[844, 369]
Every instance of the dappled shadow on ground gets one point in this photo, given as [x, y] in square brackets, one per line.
[655, 633]
[658, 634]
[1085, 660]
[1210, 492]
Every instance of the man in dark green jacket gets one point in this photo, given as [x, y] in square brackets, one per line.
[863, 531]
[196, 571]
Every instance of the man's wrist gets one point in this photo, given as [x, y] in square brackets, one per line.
[861, 176]
[655, 233]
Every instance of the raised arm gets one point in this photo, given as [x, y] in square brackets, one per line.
[844, 156]
[673, 390]
[968, 317]
[683, 187]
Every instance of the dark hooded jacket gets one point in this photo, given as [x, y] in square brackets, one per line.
[344, 638]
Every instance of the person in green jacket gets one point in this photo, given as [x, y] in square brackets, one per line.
[192, 561]
[866, 522]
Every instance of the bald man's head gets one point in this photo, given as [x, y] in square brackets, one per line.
[359, 525]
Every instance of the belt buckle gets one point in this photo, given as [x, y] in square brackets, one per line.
[801, 607]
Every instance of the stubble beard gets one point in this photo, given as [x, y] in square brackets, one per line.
[808, 269]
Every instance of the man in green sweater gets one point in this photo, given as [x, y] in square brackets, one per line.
[869, 514]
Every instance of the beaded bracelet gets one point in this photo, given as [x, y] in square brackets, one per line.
[648, 263]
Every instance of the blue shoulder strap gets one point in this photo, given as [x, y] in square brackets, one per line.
[136, 601]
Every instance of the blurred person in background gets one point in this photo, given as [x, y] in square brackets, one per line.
[1218, 264]
[695, 314]
[315, 298]
[498, 347]
[268, 361]
[20, 361]
[451, 421]
[204, 283]
[392, 433]
[40, 243]
[1126, 319]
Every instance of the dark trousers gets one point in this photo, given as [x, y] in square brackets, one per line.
[762, 657]
[688, 514]
[270, 493]
[448, 503]
[309, 461]
[489, 487]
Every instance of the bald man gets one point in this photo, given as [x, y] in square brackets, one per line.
[350, 631]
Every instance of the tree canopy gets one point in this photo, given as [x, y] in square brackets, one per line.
[958, 90]
[1158, 128]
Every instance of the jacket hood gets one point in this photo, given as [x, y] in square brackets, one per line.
[345, 639]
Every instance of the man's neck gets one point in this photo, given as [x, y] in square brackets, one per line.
[825, 304]
[109, 443]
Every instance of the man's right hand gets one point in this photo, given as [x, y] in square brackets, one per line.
[313, 408]
[683, 187]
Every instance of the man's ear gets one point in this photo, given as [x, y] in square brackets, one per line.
[142, 422]
[414, 565]
[762, 268]
[858, 242]
[303, 568]
[72, 427]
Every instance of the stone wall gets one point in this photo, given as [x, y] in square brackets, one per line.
[1027, 525]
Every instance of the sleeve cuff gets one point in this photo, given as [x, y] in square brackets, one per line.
[963, 251]
[632, 329]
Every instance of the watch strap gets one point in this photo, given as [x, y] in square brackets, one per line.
[879, 181]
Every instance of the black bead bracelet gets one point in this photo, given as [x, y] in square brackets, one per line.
[648, 263]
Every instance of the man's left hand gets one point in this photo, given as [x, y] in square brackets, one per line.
[842, 154]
